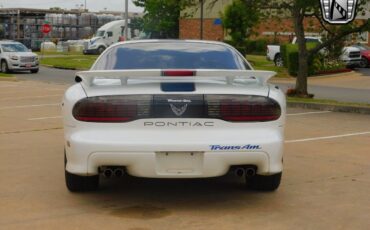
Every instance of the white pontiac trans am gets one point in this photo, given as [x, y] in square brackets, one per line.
[173, 109]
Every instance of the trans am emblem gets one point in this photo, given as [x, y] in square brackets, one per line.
[338, 11]
[176, 110]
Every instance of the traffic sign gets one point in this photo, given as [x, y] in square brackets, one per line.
[46, 28]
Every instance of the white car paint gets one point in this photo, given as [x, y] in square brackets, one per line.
[141, 145]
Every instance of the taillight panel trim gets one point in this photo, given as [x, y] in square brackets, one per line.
[234, 108]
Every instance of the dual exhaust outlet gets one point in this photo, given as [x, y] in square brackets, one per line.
[247, 171]
[119, 172]
[109, 172]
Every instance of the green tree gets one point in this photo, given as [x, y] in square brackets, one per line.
[239, 18]
[162, 16]
[299, 10]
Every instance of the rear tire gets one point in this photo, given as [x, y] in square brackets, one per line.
[264, 183]
[77, 183]
[278, 60]
[364, 63]
[101, 49]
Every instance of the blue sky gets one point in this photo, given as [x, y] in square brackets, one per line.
[93, 5]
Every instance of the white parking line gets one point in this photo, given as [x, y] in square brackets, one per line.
[28, 106]
[307, 113]
[327, 137]
[43, 118]
[20, 98]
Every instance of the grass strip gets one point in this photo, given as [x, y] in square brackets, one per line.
[80, 62]
[5, 75]
[261, 63]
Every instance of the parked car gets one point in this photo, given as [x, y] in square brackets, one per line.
[365, 55]
[15, 56]
[173, 109]
[350, 56]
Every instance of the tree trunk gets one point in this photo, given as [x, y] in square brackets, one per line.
[301, 81]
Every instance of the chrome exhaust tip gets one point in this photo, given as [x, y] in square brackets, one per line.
[239, 172]
[250, 172]
[108, 172]
[118, 172]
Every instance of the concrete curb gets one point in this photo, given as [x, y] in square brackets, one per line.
[327, 107]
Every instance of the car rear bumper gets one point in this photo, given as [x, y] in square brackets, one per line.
[159, 156]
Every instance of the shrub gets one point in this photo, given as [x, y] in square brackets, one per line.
[256, 46]
[250, 46]
[291, 59]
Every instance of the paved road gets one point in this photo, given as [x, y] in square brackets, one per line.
[50, 75]
[364, 71]
[321, 92]
[325, 185]
[338, 93]
[335, 93]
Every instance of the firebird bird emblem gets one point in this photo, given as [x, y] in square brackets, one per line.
[179, 111]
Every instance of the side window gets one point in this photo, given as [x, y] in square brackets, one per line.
[110, 34]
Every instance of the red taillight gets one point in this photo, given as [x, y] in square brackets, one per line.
[111, 108]
[125, 108]
[239, 108]
[178, 73]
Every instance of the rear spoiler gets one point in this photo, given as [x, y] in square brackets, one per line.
[229, 76]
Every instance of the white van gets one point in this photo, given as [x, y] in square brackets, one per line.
[106, 35]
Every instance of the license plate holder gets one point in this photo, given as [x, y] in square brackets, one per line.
[178, 163]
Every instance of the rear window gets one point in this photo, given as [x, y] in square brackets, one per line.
[171, 55]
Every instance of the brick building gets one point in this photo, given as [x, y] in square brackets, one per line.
[273, 29]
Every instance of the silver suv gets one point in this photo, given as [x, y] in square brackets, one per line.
[15, 56]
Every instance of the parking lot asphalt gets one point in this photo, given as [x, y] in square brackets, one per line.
[325, 185]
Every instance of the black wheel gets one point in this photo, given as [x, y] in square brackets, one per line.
[77, 183]
[4, 67]
[34, 70]
[364, 63]
[278, 60]
[101, 50]
[264, 183]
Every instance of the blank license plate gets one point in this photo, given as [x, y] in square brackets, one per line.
[179, 162]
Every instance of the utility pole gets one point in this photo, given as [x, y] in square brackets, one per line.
[201, 18]
[18, 25]
[126, 20]
[85, 5]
